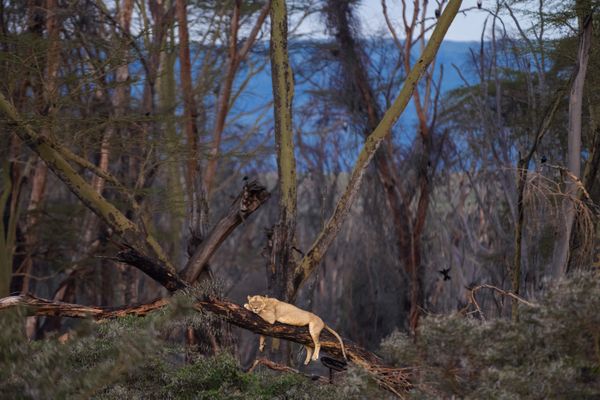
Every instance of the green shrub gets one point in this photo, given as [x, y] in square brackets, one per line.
[128, 359]
[553, 351]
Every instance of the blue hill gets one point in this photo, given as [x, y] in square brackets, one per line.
[451, 53]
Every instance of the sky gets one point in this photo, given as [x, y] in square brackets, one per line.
[466, 26]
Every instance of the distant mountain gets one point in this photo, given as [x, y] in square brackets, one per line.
[459, 54]
[451, 53]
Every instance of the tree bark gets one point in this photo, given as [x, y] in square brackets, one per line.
[281, 263]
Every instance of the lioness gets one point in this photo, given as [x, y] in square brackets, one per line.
[272, 310]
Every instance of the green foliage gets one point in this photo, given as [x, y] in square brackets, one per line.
[221, 378]
[130, 359]
[553, 351]
[93, 358]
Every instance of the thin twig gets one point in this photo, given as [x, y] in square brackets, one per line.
[284, 368]
[473, 301]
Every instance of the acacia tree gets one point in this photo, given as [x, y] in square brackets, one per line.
[140, 248]
[358, 93]
[512, 119]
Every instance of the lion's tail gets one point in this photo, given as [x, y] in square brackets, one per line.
[338, 338]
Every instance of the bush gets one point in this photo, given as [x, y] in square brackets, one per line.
[553, 351]
[127, 359]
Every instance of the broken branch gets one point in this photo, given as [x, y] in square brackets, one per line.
[251, 198]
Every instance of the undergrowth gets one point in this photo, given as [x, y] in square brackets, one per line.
[552, 352]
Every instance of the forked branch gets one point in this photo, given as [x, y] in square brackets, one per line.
[473, 300]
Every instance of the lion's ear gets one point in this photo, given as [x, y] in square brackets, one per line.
[248, 298]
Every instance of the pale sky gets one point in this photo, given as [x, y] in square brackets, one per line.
[466, 26]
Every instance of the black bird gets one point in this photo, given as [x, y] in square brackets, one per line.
[479, 4]
[437, 13]
[445, 273]
[543, 159]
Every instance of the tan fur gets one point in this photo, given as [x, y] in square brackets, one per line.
[272, 310]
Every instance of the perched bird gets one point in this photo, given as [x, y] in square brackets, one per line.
[437, 13]
[543, 159]
[445, 273]
[479, 3]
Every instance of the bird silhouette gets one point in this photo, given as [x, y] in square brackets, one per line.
[445, 273]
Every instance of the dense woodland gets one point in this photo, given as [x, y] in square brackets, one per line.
[161, 160]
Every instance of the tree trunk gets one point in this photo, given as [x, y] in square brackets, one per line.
[281, 262]
[189, 103]
[234, 59]
[224, 96]
[119, 103]
[50, 93]
[574, 139]
[522, 172]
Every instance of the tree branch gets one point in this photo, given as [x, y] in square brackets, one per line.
[251, 198]
[372, 143]
[284, 368]
[394, 380]
[130, 232]
[473, 301]
[49, 308]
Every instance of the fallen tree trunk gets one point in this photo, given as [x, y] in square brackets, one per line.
[396, 380]
[51, 308]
